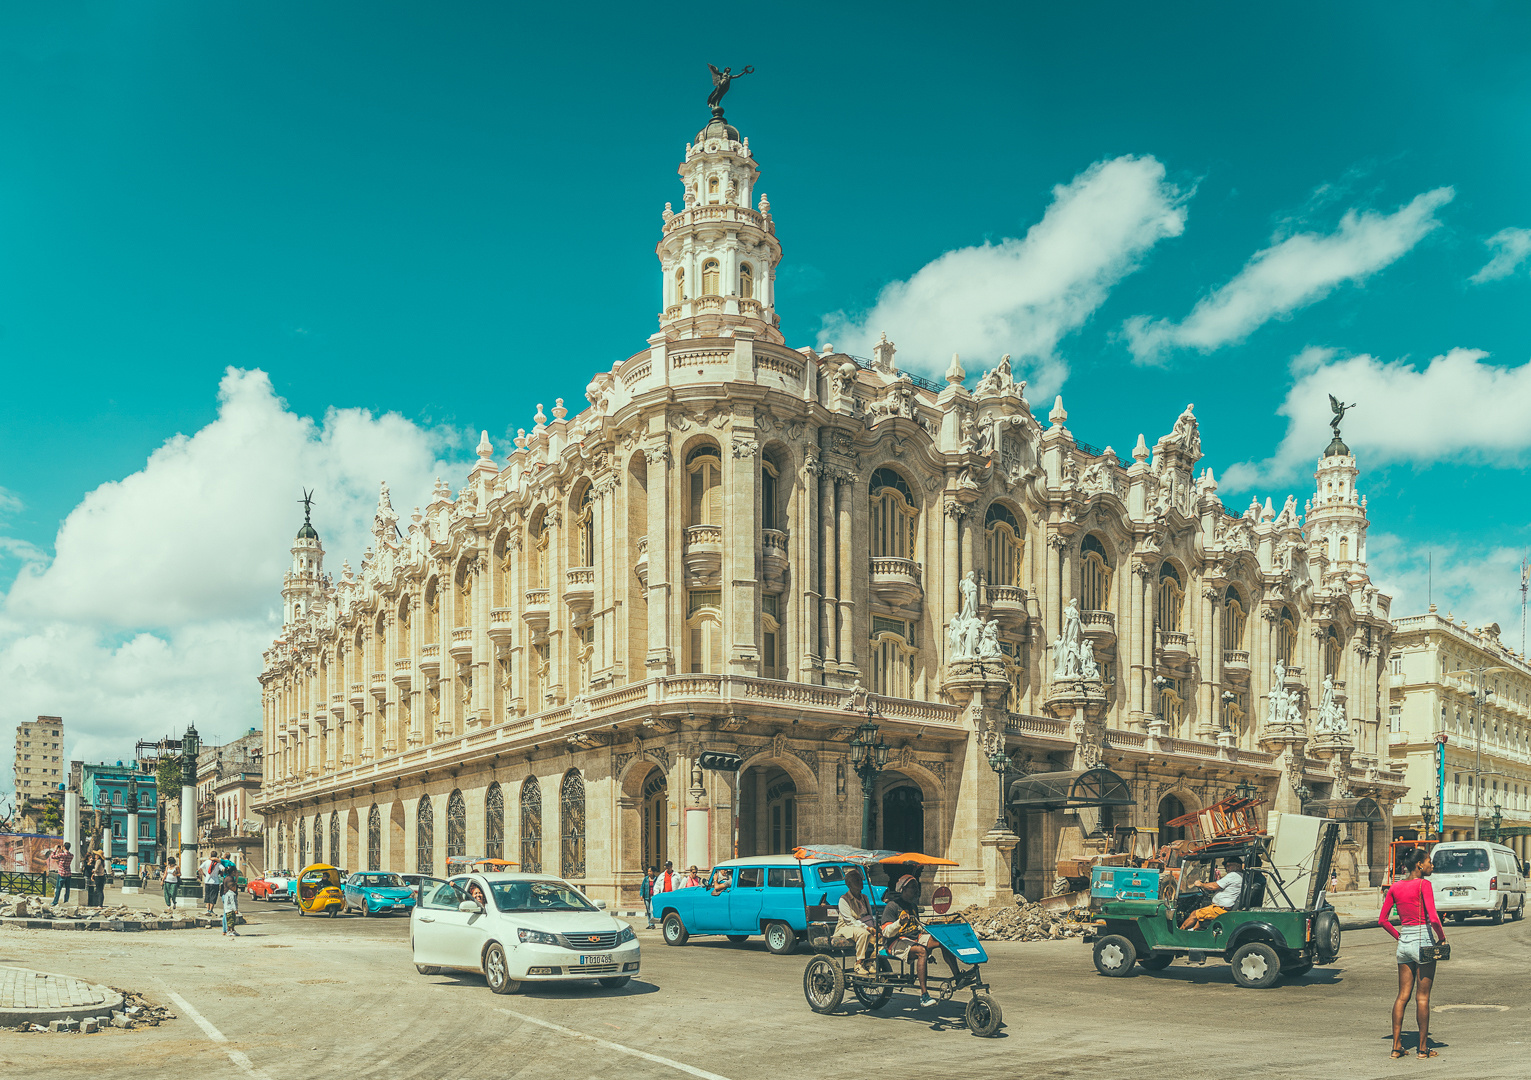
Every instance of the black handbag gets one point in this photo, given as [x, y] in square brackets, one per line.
[1429, 954]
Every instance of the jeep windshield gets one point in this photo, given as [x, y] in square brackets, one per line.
[1460, 861]
[538, 896]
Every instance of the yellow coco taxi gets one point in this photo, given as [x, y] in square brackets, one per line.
[318, 891]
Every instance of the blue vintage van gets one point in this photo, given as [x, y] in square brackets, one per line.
[765, 895]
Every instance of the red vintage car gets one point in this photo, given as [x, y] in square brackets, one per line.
[271, 887]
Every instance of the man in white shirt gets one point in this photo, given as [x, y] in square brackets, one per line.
[668, 881]
[1224, 891]
[212, 882]
[856, 922]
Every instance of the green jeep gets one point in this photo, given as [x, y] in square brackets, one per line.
[1269, 934]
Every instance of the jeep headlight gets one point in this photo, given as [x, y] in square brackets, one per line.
[536, 937]
[625, 935]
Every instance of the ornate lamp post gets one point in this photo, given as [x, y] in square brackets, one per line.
[189, 892]
[1246, 790]
[130, 880]
[1000, 762]
[868, 754]
[1497, 819]
[1427, 816]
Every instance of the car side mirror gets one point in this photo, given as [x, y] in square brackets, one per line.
[600, 905]
[472, 907]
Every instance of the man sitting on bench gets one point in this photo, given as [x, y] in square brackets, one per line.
[1225, 894]
[856, 922]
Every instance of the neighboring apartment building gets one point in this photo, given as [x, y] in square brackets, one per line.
[39, 752]
[228, 782]
[110, 782]
[1426, 700]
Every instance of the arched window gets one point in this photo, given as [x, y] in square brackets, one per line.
[894, 516]
[504, 566]
[767, 495]
[1002, 545]
[318, 838]
[335, 856]
[537, 554]
[746, 281]
[432, 613]
[1094, 575]
[1332, 653]
[425, 836]
[1344, 549]
[374, 838]
[584, 527]
[773, 664]
[494, 822]
[117, 799]
[1172, 706]
[656, 819]
[584, 656]
[680, 284]
[457, 826]
[302, 843]
[705, 466]
[710, 277]
[712, 187]
[1286, 636]
[531, 826]
[1234, 617]
[893, 657]
[1171, 597]
[781, 814]
[380, 643]
[704, 631]
[571, 819]
[1169, 809]
[281, 847]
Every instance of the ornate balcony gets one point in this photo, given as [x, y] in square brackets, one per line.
[430, 660]
[502, 625]
[380, 684]
[1175, 647]
[704, 553]
[641, 564]
[1099, 627]
[358, 693]
[773, 558]
[338, 703]
[462, 643]
[1294, 679]
[536, 611]
[896, 581]
[579, 592]
[403, 672]
[1236, 665]
[1007, 605]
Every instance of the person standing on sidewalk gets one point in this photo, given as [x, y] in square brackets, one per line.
[98, 875]
[212, 881]
[63, 862]
[230, 908]
[646, 892]
[1414, 897]
[172, 878]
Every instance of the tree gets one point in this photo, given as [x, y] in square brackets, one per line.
[53, 816]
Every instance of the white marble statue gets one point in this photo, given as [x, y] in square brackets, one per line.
[1330, 719]
[1073, 657]
[1278, 696]
[964, 636]
[988, 642]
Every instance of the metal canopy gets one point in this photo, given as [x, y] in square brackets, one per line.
[1363, 810]
[1070, 790]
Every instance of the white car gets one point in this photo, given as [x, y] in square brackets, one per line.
[517, 928]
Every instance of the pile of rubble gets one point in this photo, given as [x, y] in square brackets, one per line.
[1021, 921]
[37, 907]
[134, 1012]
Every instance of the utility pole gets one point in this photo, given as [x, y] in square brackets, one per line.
[1480, 692]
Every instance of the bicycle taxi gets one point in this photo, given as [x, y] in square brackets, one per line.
[832, 971]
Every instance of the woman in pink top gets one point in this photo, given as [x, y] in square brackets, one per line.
[1414, 897]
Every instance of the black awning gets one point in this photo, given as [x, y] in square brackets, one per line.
[1361, 810]
[1070, 790]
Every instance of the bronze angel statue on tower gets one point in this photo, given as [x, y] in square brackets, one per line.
[720, 84]
[1339, 413]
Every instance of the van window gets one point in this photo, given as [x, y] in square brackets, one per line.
[1460, 861]
[831, 875]
[784, 877]
[751, 877]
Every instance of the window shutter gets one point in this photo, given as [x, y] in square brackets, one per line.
[696, 649]
[714, 497]
[715, 648]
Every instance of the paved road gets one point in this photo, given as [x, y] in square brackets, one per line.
[339, 998]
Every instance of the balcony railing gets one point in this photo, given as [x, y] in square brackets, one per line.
[704, 552]
[641, 564]
[896, 581]
[1236, 663]
[462, 642]
[1098, 626]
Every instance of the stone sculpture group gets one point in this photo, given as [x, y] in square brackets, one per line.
[1073, 655]
[968, 637]
[1286, 706]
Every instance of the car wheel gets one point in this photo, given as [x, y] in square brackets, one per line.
[1326, 934]
[364, 909]
[1256, 965]
[1114, 956]
[1297, 971]
[780, 938]
[823, 984]
[1156, 963]
[334, 911]
[738, 938]
[497, 970]
[427, 969]
[675, 932]
[616, 982]
[983, 1015]
[1520, 912]
[1496, 917]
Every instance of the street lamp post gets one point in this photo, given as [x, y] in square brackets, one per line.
[189, 892]
[130, 881]
[1497, 820]
[1427, 816]
[1480, 694]
[1000, 762]
[868, 754]
[104, 801]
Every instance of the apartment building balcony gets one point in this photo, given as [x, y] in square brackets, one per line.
[403, 672]
[1175, 647]
[641, 565]
[358, 693]
[430, 660]
[380, 684]
[502, 625]
[579, 592]
[896, 581]
[1007, 605]
[338, 703]
[462, 643]
[773, 558]
[1236, 665]
[536, 612]
[1099, 627]
[1294, 679]
[704, 553]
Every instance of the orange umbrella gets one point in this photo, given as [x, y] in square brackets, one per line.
[494, 862]
[918, 859]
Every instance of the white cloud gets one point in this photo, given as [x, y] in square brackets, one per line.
[1290, 274]
[1511, 247]
[1478, 585]
[1024, 296]
[1456, 407]
[165, 586]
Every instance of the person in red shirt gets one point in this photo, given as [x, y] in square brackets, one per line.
[63, 863]
[1414, 897]
[668, 881]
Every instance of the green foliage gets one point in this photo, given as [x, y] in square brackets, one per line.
[167, 776]
[53, 816]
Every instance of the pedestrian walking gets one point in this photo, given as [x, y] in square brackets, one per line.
[172, 879]
[212, 881]
[98, 875]
[668, 881]
[1414, 897]
[646, 891]
[230, 908]
[692, 880]
[63, 862]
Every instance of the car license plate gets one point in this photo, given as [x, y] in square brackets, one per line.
[1459, 892]
[596, 958]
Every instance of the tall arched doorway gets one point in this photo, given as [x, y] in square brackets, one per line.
[1170, 808]
[781, 816]
[656, 819]
[768, 811]
[903, 818]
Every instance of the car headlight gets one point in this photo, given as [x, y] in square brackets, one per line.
[375, 896]
[537, 937]
[626, 934]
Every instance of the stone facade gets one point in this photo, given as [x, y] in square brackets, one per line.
[37, 767]
[746, 547]
[1427, 701]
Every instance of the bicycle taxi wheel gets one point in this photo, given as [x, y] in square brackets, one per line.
[824, 984]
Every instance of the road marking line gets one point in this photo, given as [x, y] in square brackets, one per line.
[236, 1056]
[606, 1044]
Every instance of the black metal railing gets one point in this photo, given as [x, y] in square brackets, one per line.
[923, 384]
[18, 881]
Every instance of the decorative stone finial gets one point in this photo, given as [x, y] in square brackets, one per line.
[1140, 451]
[1267, 512]
[882, 357]
[1059, 414]
[520, 439]
[559, 412]
[541, 419]
[954, 372]
[484, 451]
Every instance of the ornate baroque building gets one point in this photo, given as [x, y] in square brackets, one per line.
[748, 547]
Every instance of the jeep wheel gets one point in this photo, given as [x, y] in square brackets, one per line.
[675, 932]
[1156, 963]
[1326, 934]
[1256, 965]
[1114, 956]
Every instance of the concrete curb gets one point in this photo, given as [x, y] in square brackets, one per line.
[110, 1002]
[113, 924]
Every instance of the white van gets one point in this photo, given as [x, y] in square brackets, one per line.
[1475, 877]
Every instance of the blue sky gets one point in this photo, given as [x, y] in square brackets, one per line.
[377, 205]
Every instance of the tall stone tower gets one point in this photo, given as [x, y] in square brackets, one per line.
[301, 586]
[718, 255]
[1336, 515]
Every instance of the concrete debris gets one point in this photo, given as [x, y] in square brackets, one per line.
[1021, 921]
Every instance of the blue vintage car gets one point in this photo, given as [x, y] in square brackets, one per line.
[767, 894]
[374, 892]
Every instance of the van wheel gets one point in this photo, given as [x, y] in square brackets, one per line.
[1496, 917]
[1156, 963]
[1114, 956]
[1256, 965]
[1520, 912]
[780, 938]
[1458, 917]
[675, 932]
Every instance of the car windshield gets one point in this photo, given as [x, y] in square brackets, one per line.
[1459, 860]
[538, 896]
[380, 881]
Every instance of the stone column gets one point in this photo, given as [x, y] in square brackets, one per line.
[741, 587]
[806, 571]
[846, 492]
[662, 541]
[829, 573]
